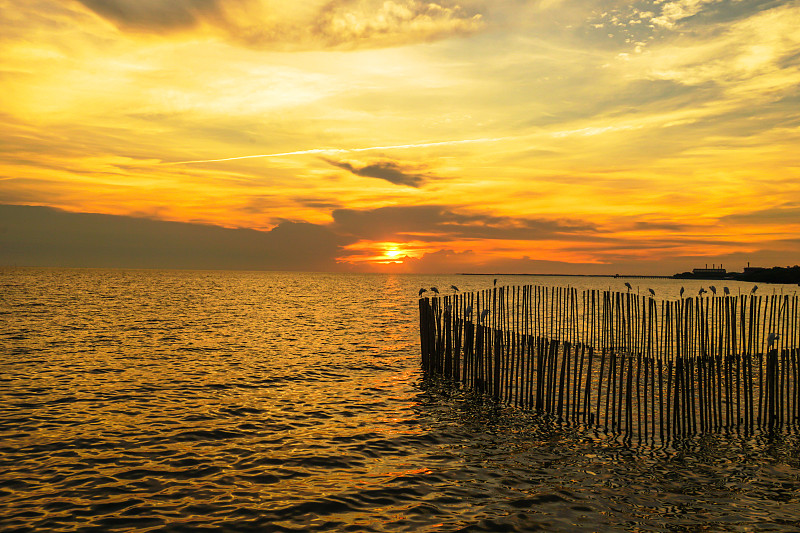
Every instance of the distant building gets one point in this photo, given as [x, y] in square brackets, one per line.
[713, 271]
[748, 269]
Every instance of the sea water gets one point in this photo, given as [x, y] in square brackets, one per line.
[139, 400]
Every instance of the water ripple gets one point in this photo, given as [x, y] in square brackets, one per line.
[194, 401]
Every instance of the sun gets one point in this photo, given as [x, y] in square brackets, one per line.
[392, 252]
[382, 253]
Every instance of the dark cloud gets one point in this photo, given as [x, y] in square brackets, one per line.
[391, 171]
[154, 15]
[41, 236]
[269, 24]
[660, 226]
[780, 214]
[317, 203]
[438, 223]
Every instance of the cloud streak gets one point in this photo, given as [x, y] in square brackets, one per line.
[331, 151]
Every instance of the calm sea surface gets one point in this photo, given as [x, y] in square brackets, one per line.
[238, 401]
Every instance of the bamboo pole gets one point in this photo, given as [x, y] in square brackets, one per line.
[723, 369]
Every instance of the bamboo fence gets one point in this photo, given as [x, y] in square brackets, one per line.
[652, 370]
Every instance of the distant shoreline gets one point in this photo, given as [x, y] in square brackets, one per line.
[567, 275]
[780, 275]
[783, 275]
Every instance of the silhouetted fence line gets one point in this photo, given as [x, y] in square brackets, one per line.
[651, 369]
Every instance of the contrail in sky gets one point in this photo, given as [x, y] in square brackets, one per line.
[342, 150]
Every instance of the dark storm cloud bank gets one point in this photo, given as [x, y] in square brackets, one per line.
[41, 236]
[391, 171]
[439, 223]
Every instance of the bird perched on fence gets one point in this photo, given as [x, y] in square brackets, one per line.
[702, 290]
[726, 290]
[454, 288]
[682, 289]
[468, 312]
[713, 290]
[434, 289]
[422, 291]
[771, 338]
[484, 314]
[495, 282]
[652, 292]
[755, 288]
[629, 286]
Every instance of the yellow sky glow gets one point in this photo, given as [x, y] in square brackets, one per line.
[422, 136]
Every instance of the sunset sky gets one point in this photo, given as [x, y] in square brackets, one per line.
[400, 135]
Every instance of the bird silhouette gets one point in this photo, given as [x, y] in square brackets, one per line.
[755, 288]
[682, 289]
[771, 338]
[422, 291]
[454, 288]
[713, 289]
[495, 282]
[702, 290]
[629, 286]
[484, 314]
[652, 292]
[434, 289]
[726, 290]
[468, 312]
